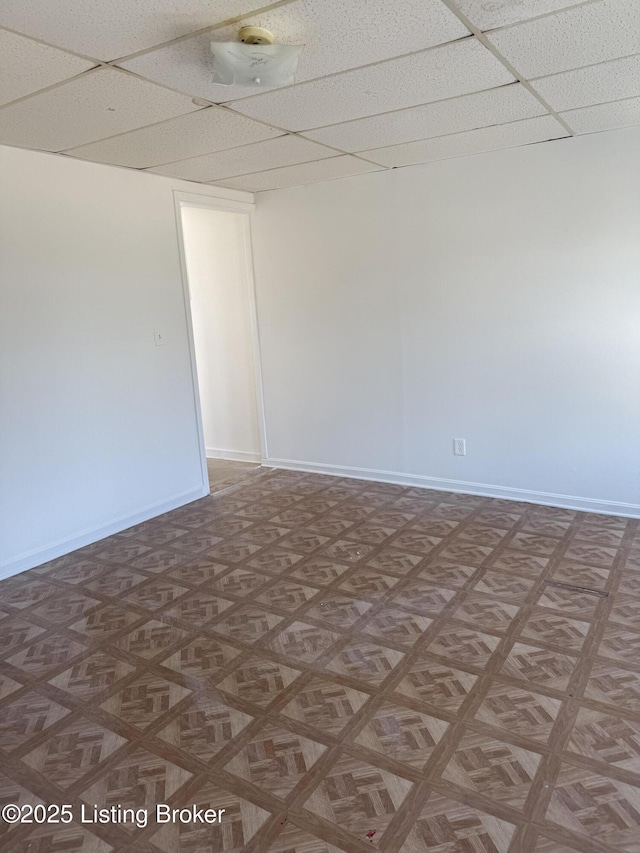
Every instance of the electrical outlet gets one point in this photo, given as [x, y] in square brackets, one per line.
[459, 447]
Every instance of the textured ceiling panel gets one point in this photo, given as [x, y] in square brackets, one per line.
[27, 66]
[604, 116]
[433, 75]
[98, 104]
[596, 84]
[402, 78]
[201, 132]
[573, 38]
[337, 34]
[471, 142]
[108, 29]
[283, 151]
[487, 14]
[495, 106]
[305, 173]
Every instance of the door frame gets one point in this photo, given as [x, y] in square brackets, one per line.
[182, 199]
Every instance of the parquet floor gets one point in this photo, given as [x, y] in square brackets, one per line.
[341, 666]
[226, 472]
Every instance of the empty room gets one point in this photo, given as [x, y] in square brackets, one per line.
[320, 426]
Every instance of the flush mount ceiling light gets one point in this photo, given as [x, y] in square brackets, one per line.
[255, 60]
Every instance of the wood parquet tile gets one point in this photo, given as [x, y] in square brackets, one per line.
[75, 750]
[570, 602]
[436, 684]
[259, 680]
[402, 734]
[493, 767]
[536, 665]
[319, 571]
[483, 612]
[626, 612]
[358, 796]
[448, 826]
[613, 685]
[205, 726]
[466, 645]
[551, 845]
[632, 560]
[368, 583]
[197, 608]
[579, 574]
[325, 705]
[397, 625]
[302, 641]
[419, 595]
[138, 779]
[443, 573]
[593, 805]
[150, 639]
[620, 643]
[91, 675]
[199, 661]
[8, 686]
[242, 819]
[295, 840]
[607, 738]
[71, 838]
[341, 666]
[45, 653]
[275, 759]
[103, 622]
[287, 595]
[365, 661]
[16, 631]
[546, 628]
[337, 610]
[144, 700]
[247, 623]
[26, 718]
[519, 711]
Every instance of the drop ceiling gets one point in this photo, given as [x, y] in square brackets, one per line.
[380, 84]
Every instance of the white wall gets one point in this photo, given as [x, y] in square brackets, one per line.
[97, 424]
[494, 298]
[219, 288]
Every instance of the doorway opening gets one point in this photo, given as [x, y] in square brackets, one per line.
[218, 272]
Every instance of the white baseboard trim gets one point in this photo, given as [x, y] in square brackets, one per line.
[439, 484]
[94, 534]
[234, 455]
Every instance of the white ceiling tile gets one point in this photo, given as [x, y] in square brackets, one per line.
[283, 151]
[27, 65]
[470, 142]
[187, 66]
[495, 106]
[443, 72]
[100, 103]
[487, 14]
[108, 29]
[596, 84]
[201, 132]
[306, 173]
[580, 36]
[604, 116]
[337, 35]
